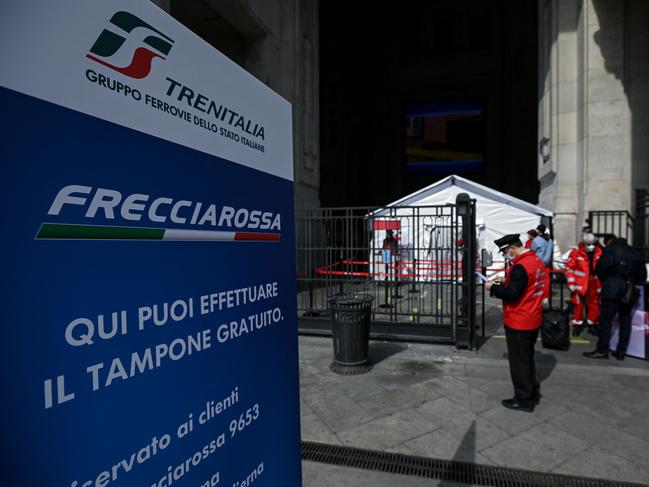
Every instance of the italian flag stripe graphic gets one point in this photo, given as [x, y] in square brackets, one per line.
[64, 231]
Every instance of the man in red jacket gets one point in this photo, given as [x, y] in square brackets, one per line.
[522, 293]
[583, 283]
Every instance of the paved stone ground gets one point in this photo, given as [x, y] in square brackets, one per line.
[431, 400]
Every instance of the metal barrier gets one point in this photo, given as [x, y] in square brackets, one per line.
[619, 222]
[411, 259]
[642, 221]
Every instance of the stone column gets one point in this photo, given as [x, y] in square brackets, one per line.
[593, 80]
[558, 73]
[606, 112]
[286, 59]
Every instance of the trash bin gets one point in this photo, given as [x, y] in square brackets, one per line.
[350, 315]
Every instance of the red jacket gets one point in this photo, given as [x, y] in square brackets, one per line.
[526, 313]
[579, 270]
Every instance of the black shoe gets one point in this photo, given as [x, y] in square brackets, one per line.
[596, 354]
[536, 398]
[576, 330]
[618, 355]
[592, 330]
[526, 405]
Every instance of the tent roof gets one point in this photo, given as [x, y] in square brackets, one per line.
[471, 187]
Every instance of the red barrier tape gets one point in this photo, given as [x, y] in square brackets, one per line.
[327, 271]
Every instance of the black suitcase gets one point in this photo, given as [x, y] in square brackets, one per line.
[555, 330]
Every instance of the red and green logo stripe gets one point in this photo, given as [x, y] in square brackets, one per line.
[66, 231]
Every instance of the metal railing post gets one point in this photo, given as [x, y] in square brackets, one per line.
[466, 322]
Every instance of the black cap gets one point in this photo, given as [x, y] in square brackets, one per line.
[507, 240]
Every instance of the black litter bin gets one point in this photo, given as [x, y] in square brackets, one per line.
[350, 315]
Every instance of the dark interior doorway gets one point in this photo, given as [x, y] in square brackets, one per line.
[415, 91]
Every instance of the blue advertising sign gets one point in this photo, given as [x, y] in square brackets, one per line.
[149, 332]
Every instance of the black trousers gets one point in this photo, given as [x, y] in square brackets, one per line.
[610, 308]
[520, 350]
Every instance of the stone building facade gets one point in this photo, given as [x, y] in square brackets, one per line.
[593, 108]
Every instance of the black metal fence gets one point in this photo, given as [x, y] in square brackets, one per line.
[618, 222]
[623, 224]
[408, 258]
[642, 221]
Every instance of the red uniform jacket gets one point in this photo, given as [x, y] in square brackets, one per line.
[579, 270]
[522, 292]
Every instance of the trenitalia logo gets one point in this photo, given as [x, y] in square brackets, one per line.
[109, 43]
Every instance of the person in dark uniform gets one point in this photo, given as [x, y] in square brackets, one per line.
[618, 264]
[522, 292]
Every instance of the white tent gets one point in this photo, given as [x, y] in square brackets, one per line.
[497, 214]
